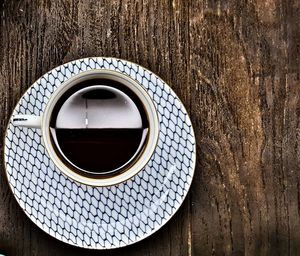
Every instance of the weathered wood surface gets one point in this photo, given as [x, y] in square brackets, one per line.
[235, 65]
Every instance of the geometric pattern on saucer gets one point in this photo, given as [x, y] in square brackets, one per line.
[101, 217]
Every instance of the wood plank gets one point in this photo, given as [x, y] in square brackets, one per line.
[38, 36]
[245, 97]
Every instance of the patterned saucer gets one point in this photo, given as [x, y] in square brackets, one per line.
[101, 217]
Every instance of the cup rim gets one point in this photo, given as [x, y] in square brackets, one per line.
[150, 110]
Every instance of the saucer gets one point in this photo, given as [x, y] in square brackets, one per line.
[101, 217]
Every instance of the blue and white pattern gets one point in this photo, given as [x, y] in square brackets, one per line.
[101, 217]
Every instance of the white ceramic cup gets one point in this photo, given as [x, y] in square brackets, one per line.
[43, 122]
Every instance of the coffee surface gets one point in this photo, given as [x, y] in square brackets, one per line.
[99, 128]
[99, 150]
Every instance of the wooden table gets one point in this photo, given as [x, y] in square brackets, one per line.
[235, 65]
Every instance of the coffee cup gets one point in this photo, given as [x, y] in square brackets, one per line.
[100, 127]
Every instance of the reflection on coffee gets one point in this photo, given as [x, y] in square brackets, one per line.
[99, 127]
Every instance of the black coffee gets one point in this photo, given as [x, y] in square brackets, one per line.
[99, 127]
[99, 150]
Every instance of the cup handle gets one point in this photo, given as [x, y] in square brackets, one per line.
[28, 121]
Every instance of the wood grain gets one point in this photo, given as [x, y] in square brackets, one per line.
[235, 65]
